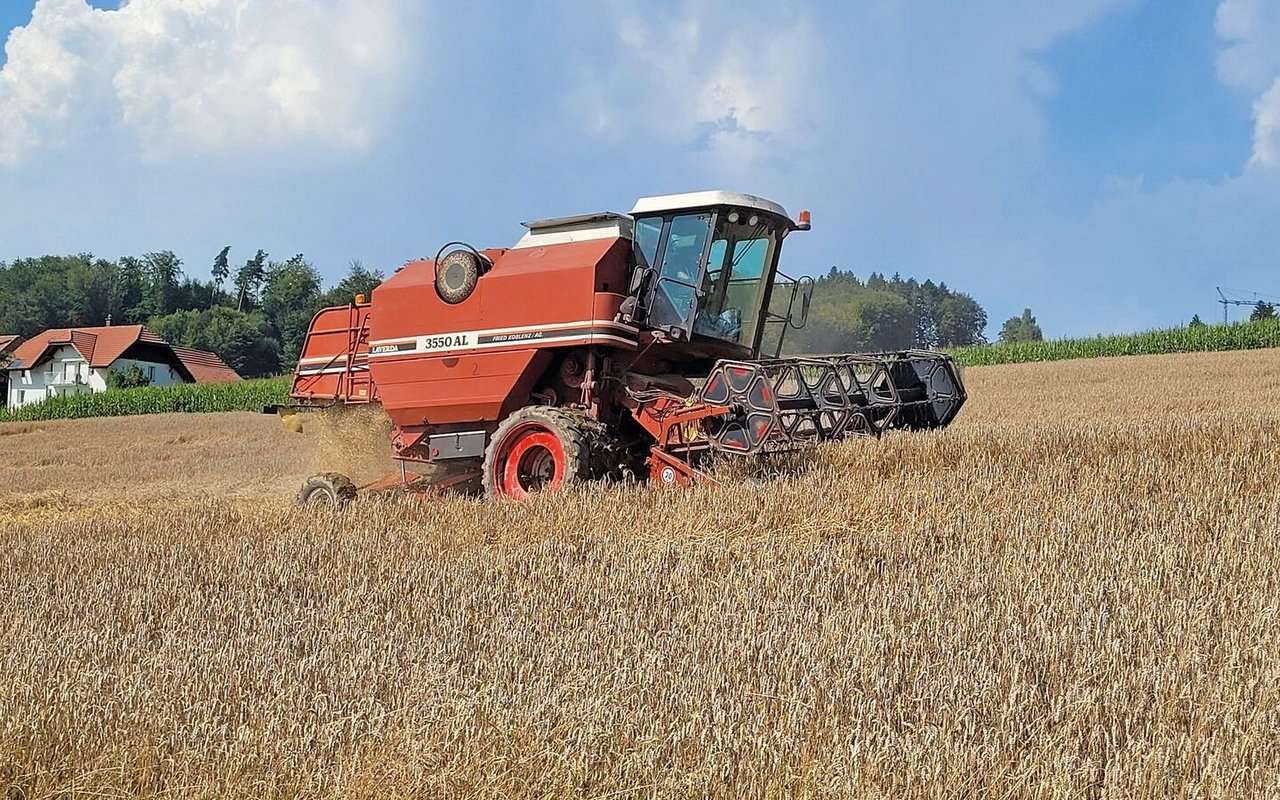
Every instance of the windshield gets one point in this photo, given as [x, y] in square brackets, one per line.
[721, 299]
[738, 263]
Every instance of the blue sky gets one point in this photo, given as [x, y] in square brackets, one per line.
[1105, 162]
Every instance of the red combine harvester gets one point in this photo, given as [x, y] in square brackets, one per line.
[605, 346]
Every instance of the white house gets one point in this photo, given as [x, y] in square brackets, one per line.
[69, 361]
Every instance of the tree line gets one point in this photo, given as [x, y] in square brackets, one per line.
[849, 314]
[253, 315]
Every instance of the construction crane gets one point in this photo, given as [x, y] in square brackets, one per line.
[1237, 300]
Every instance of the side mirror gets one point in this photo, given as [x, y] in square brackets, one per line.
[639, 279]
[806, 285]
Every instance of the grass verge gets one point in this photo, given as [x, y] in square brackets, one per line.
[192, 397]
[1202, 338]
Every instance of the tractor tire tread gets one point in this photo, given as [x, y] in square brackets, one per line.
[334, 484]
[585, 442]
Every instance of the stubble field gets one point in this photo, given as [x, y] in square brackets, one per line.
[1073, 592]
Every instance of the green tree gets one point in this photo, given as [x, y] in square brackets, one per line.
[130, 377]
[81, 290]
[162, 270]
[1263, 311]
[853, 321]
[194, 294]
[883, 322]
[129, 299]
[290, 298]
[249, 280]
[961, 321]
[88, 283]
[849, 314]
[221, 271]
[184, 328]
[1021, 329]
[1196, 322]
[244, 340]
[54, 292]
[358, 280]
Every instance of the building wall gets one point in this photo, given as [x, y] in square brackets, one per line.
[67, 373]
[160, 374]
[64, 373]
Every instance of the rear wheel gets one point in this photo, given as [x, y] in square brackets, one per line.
[540, 449]
[327, 490]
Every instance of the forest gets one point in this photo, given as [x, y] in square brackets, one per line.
[254, 315]
[849, 314]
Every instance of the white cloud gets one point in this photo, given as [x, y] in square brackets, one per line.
[1266, 136]
[205, 74]
[734, 78]
[1250, 60]
[1250, 32]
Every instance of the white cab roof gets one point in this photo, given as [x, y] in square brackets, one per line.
[676, 202]
[609, 225]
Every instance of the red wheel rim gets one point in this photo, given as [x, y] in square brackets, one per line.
[532, 460]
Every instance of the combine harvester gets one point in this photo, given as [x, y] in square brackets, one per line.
[604, 346]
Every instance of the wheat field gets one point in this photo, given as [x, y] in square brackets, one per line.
[1074, 592]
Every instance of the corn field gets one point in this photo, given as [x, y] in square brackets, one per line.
[185, 398]
[253, 395]
[1204, 338]
[1073, 592]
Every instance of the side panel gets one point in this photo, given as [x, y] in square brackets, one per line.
[525, 287]
[437, 363]
[334, 362]
[439, 390]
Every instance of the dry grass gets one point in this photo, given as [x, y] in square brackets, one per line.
[152, 462]
[1074, 592]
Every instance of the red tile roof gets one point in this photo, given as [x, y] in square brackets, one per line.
[99, 346]
[102, 346]
[86, 342]
[205, 367]
[8, 342]
[32, 349]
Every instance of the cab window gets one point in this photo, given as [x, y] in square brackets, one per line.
[675, 294]
[685, 243]
[648, 233]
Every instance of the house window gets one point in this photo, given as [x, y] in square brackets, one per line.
[26, 375]
[151, 374]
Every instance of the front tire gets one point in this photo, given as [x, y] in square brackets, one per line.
[540, 449]
[327, 490]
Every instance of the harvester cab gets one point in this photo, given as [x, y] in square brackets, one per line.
[605, 346]
[705, 270]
